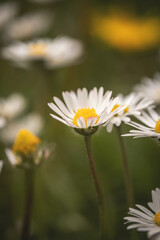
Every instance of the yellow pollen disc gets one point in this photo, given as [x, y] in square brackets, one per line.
[38, 49]
[86, 113]
[157, 218]
[25, 142]
[157, 127]
[118, 105]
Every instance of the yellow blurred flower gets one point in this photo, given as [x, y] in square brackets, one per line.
[25, 142]
[127, 32]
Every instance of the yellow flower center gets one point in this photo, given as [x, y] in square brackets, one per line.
[25, 142]
[157, 218]
[38, 49]
[157, 127]
[86, 113]
[118, 105]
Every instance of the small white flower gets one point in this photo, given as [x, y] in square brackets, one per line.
[29, 25]
[7, 12]
[133, 105]
[151, 127]
[146, 220]
[11, 107]
[55, 53]
[32, 122]
[150, 88]
[83, 110]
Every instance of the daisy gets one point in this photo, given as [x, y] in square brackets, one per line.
[150, 88]
[85, 111]
[146, 220]
[29, 25]
[133, 104]
[150, 126]
[27, 150]
[58, 52]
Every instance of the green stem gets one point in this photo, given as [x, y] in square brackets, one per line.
[28, 205]
[97, 185]
[127, 176]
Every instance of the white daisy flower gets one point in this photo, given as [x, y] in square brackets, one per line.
[11, 107]
[150, 88]
[133, 105]
[58, 52]
[146, 220]
[150, 127]
[29, 25]
[33, 122]
[27, 150]
[7, 11]
[85, 111]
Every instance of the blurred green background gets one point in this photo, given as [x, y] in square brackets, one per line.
[65, 205]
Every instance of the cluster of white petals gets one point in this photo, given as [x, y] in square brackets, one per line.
[149, 126]
[144, 220]
[134, 103]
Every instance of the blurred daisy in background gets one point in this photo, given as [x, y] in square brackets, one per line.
[125, 31]
[32, 121]
[55, 53]
[30, 25]
[133, 105]
[27, 150]
[145, 220]
[150, 126]
[85, 110]
[11, 107]
[8, 10]
[150, 88]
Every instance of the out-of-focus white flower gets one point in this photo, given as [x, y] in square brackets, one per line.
[145, 220]
[85, 111]
[29, 25]
[1, 165]
[7, 11]
[27, 150]
[64, 51]
[150, 126]
[150, 88]
[11, 107]
[55, 53]
[134, 103]
[32, 122]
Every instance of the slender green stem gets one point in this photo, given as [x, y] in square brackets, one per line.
[127, 176]
[28, 204]
[97, 185]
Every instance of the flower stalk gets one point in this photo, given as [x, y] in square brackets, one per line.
[28, 204]
[127, 175]
[97, 185]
